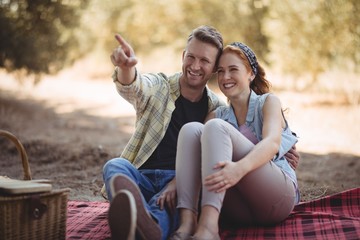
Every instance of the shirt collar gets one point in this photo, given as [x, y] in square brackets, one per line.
[251, 108]
[175, 84]
[230, 115]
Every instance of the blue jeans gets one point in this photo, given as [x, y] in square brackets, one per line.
[151, 183]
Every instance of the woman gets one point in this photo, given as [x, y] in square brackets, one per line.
[237, 158]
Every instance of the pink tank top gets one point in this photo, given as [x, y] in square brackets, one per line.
[246, 131]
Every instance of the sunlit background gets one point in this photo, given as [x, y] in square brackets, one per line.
[58, 51]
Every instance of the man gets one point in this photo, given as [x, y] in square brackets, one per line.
[140, 184]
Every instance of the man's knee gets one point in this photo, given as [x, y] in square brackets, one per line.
[115, 163]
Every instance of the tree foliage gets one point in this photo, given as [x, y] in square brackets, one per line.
[148, 24]
[315, 36]
[43, 36]
[38, 35]
[237, 21]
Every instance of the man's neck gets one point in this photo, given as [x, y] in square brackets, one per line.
[193, 94]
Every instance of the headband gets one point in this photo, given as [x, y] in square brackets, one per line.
[249, 54]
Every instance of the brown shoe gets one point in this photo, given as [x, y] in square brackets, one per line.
[146, 226]
[122, 216]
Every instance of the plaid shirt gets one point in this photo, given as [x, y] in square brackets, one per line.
[153, 97]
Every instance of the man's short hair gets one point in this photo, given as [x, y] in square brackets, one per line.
[209, 35]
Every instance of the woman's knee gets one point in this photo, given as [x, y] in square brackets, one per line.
[215, 126]
[191, 129]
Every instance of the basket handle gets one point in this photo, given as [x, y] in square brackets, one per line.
[21, 149]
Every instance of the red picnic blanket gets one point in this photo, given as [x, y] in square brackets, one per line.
[331, 217]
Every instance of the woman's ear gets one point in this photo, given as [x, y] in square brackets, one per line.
[252, 77]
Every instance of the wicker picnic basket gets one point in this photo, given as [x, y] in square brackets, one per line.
[40, 215]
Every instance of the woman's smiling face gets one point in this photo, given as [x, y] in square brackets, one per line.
[233, 76]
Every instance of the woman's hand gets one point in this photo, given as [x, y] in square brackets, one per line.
[228, 175]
